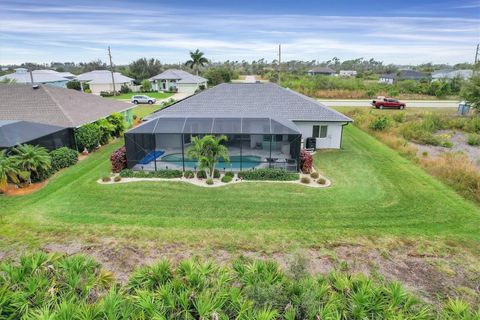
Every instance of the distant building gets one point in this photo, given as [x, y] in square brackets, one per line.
[177, 80]
[326, 71]
[451, 74]
[408, 74]
[48, 77]
[388, 78]
[348, 73]
[101, 80]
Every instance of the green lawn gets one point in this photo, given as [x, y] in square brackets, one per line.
[375, 194]
[156, 95]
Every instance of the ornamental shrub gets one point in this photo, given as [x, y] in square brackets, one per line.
[216, 174]
[127, 173]
[201, 174]
[125, 89]
[314, 175]
[306, 161]
[166, 174]
[226, 179]
[188, 174]
[118, 122]
[230, 174]
[119, 159]
[209, 181]
[305, 180]
[106, 179]
[63, 157]
[117, 179]
[88, 136]
[321, 181]
[268, 174]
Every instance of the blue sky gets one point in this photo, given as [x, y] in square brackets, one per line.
[403, 32]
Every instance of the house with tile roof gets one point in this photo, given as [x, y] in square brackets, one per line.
[174, 80]
[266, 126]
[101, 81]
[48, 77]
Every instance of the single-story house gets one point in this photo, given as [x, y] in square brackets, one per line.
[408, 74]
[266, 126]
[177, 80]
[101, 80]
[388, 78]
[14, 133]
[326, 71]
[49, 77]
[347, 73]
[52, 113]
[452, 74]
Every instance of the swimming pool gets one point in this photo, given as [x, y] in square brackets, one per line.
[248, 161]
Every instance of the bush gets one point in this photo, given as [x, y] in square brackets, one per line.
[125, 89]
[118, 122]
[63, 157]
[209, 181]
[166, 174]
[227, 179]
[107, 93]
[119, 159]
[146, 86]
[127, 173]
[117, 179]
[379, 124]
[399, 117]
[268, 174]
[188, 174]
[473, 125]
[201, 174]
[216, 173]
[321, 181]
[305, 180]
[106, 179]
[88, 136]
[314, 175]
[230, 174]
[473, 139]
[306, 161]
[74, 84]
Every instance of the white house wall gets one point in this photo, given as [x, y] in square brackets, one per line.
[333, 140]
[108, 87]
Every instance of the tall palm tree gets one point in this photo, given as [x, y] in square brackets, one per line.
[32, 159]
[197, 60]
[9, 171]
[207, 151]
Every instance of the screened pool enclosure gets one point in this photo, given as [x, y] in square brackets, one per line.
[163, 142]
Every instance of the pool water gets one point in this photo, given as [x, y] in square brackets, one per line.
[248, 161]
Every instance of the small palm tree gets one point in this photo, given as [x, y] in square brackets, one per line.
[32, 159]
[208, 150]
[9, 170]
[197, 60]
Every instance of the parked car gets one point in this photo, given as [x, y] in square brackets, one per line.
[382, 103]
[143, 99]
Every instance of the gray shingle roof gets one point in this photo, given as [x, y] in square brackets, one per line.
[322, 70]
[53, 105]
[253, 100]
[13, 133]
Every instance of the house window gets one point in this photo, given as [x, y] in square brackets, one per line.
[320, 131]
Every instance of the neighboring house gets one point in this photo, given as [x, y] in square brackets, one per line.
[59, 108]
[326, 71]
[177, 80]
[49, 77]
[348, 73]
[266, 126]
[452, 74]
[388, 78]
[411, 75]
[101, 80]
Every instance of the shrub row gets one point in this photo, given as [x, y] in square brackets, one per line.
[51, 286]
[164, 173]
[268, 174]
[102, 131]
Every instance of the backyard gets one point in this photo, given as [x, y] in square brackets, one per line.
[382, 214]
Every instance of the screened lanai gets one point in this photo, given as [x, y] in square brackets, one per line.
[163, 142]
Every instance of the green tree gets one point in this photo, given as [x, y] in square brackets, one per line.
[196, 61]
[143, 69]
[9, 170]
[146, 85]
[218, 75]
[32, 159]
[207, 151]
[471, 92]
[74, 84]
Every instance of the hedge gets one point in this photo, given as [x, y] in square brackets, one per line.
[268, 174]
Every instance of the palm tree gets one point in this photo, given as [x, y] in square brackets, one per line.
[32, 159]
[208, 150]
[9, 171]
[197, 60]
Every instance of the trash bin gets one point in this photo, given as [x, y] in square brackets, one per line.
[463, 108]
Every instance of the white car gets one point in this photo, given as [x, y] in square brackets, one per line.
[143, 99]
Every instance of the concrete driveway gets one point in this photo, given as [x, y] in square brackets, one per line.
[410, 103]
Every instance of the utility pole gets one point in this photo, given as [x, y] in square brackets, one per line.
[475, 65]
[279, 62]
[111, 70]
[476, 53]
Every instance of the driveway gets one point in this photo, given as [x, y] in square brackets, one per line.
[410, 103]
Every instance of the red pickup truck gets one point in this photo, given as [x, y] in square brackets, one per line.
[382, 103]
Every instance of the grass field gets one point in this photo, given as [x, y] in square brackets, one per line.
[375, 193]
[156, 95]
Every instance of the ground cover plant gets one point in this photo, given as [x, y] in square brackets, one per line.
[268, 174]
[51, 286]
[369, 205]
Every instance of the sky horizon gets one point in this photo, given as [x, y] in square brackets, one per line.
[398, 32]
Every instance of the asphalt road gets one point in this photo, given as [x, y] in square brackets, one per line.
[409, 103]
